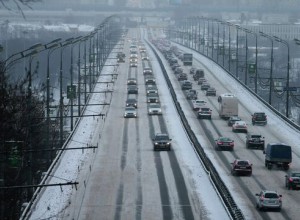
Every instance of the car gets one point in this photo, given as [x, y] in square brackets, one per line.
[185, 85]
[152, 98]
[255, 141]
[192, 70]
[191, 94]
[197, 104]
[241, 167]
[145, 57]
[204, 113]
[224, 143]
[232, 120]
[268, 199]
[150, 80]
[131, 102]
[131, 81]
[130, 112]
[178, 70]
[201, 81]
[151, 89]
[154, 109]
[199, 73]
[205, 86]
[174, 66]
[259, 118]
[161, 141]
[211, 92]
[132, 89]
[292, 180]
[182, 76]
[147, 71]
[240, 126]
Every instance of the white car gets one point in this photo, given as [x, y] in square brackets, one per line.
[268, 199]
[154, 109]
[197, 104]
[130, 112]
[239, 126]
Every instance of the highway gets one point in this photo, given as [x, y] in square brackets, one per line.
[243, 188]
[128, 179]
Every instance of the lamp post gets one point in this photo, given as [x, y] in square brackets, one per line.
[79, 74]
[271, 68]
[72, 92]
[61, 102]
[287, 87]
[237, 51]
[229, 44]
[256, 51]
[50, 47]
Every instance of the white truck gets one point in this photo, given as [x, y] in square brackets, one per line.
[228, 105]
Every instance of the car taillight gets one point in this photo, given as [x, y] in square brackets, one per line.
[291, 179]
[262, 198]
[231, 143]
[219, 142]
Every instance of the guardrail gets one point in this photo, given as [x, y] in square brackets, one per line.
[223, 191]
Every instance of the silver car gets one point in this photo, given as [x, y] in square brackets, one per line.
[268, 199]
[154, 109]
[130, 112]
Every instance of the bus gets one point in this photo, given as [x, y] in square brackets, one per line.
[228, 105]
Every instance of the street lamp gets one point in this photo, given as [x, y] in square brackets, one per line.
[256, 51]
[288, 73]
[50, 47]
[61, 103]
[237, 51]
[271, 69]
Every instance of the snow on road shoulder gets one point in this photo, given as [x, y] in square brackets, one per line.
[54, 200]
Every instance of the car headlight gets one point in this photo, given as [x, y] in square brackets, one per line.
[168, 143]
[156, 143]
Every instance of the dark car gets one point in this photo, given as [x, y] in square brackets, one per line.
[224, 143]
[178, 70]
[232, 120]
[259, 118]
[185, 85]
[161, 141]
[211, 92]
[182, 76]
[131, 102]
[292, 180]
[255, 141]
[152, 98]
[201, 81]
[205, 86]
[192, 70]
[150, 81]
[132, 89]
[241, 167]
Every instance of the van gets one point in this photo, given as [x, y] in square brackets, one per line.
[228, 105]
[279, 154]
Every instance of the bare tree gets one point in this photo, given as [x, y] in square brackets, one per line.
[17, 4]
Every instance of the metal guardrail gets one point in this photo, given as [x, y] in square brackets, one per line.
[223, 191]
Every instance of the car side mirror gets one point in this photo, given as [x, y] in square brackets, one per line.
[256, 194]
[280, 195]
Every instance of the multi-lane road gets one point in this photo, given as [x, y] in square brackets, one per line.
[128, 180]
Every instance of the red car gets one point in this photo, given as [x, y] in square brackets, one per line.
[224, 143]
[241, 167]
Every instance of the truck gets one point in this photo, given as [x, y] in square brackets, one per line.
[187, 59]
[228, 105]
[279, 154]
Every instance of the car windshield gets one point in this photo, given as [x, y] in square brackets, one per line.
[271, 195]
[243, 163]
[162, 137]
[256, 136]
[130, 109]
[155, 106]
[131, 100]
[205, 109]
[224, 139]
